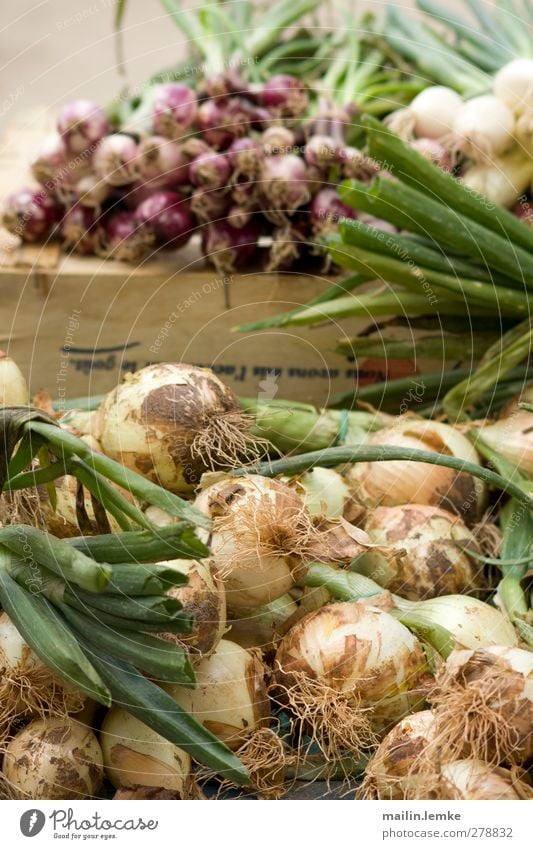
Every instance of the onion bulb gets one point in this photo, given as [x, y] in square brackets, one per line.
[258, 628]
[431, 114]
[472, 779]
[261, 533]
[14, 390]
[136, 756]
[230, 698]
[513, 85]
[393, 771]
[432, 539]
[472, 623]
[74, 513]
[504, 179]
[28, 688]
[483, 701]
[323, 491]
[512, 437]
[393, 482]
[55, 758]
[483, 128]
[205, 598]
[171, 422]
[348, 671]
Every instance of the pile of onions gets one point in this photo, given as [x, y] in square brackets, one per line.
[171, 422]
[395, 482]
[136, 756]
[28, 688]
[56, 758]
[230, 698]
[203, 597]
[14, 390]
[483, 702]
[433, 563]
[347, 671]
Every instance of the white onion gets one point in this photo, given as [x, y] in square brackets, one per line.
[136, 756]
[512, 437]
[171, 422]
[472, 623]
[393, 482]
[230, 698]
[513, 85]
[473, 779]
[504, 179]
[63, 520]
[360, 655]
[323, 491]
[483, 128]
[431, 114]
[205, 598]
[14, 390]
[432, 539]
[259, 535]
[55, 758]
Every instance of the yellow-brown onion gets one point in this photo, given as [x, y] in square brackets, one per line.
[230, 698]
[56, 758]
[393, 482]
[323, 491]
[136, 756]
[434, 563]
[512, 437]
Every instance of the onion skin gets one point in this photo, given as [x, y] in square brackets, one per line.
[512, 437]
[229, 248]
[434, 564]
[358, 651]
[30, 214]
[50, 160]
[82, 124]
[167, 218]
[124, 239]
[230, 699]
[56, 758]
[136, 756]
[116, 161]
[149, 421]
[174, 111]
[470, 780]
[161, 159]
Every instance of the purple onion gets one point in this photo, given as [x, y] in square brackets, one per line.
[246, 195]
[167, 217]
[91, 191]
[116, 160]
[283, 186]
[239, 217]
[79, 230]
[321, 151]
[132, 196]
[30, 214]
[211, 121]
[245, 156]
[288, 244]
[277, 140]
[357, 166]
[285, 95]
[210, 205]
[210, 171]
[51, 159]
[434, 151]
[524, 210]
[174, 111]
[327, 208]
[193, 147]
[124, 239]
[378, 223]
[227, 247]
[82, 124]
[162, 159]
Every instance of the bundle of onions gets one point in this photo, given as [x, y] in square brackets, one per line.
[512, 437]
[261, 535]
[136, 756]
[346, 672]
[472, 779]
[393, 772]
[56, 758]
[395, 482]
[28, 688]
[14, 390]
[433, 563]
[323, 491]
[171, 422]
[230, 698]
[483, 701]
[204, 597]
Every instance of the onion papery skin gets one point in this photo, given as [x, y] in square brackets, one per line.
[434, 563]
[395, 482]
[392, 771]
[512, 437]
[258, 526]
[472, 623]
[55, 758]
[323, 491]
[483, 700]
[230, 698]
[149, 422]
[360, 652]
[136, 756]
[205, 598]
[472, 779]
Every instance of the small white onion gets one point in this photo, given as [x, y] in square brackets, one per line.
[432, 539]
[14, 390]
[472, 779]
[230, 698]
[483, 128]
[513, 85]
[56, 758]
[431, 114]
[504, 179]
[136, 756]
